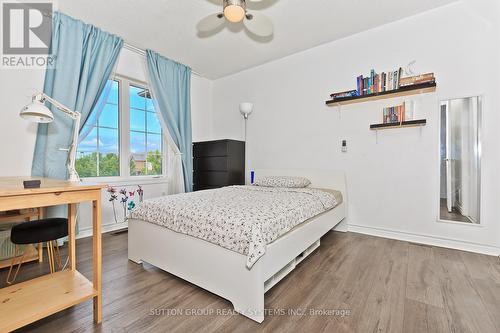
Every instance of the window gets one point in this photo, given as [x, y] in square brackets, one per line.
[127, 138]
[98, 153]
[145, 134]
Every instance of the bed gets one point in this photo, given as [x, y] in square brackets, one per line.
[237, 273]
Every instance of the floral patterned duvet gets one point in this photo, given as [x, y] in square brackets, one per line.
[243, 219]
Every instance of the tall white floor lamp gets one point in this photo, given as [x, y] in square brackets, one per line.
[246, 109]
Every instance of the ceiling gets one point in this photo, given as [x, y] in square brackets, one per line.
[169, 27]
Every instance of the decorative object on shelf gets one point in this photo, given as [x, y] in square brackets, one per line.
[127, 206]
[409, 110]
[408, 70]
[37, 112]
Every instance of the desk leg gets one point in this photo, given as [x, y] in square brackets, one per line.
[72, 236]
[96, 208]
[40, 245]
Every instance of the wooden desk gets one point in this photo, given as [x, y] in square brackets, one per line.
[26, 302]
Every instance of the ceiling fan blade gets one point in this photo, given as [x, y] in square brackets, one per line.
[258, 24]
[211, 22]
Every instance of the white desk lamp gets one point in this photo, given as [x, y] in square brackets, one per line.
[37, 112]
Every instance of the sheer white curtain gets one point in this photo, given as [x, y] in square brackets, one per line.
[174, 166]
[174, 156]
[96, 111]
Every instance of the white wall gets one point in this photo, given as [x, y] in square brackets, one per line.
[393, 185]
[17, 136]
[201, 108]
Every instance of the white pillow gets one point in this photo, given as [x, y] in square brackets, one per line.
[282, 181]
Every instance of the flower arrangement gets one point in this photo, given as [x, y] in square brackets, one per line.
[126, 202]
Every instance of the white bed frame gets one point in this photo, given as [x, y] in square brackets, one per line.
[224, 272]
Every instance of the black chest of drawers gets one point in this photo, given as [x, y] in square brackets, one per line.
[218, 163]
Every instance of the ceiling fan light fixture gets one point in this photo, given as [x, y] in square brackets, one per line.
[234, 10]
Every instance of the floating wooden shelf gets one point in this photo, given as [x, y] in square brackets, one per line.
[403, 91]
[25, 302]
[409, 123]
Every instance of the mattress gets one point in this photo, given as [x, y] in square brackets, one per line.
[335, 193]
[243, 219]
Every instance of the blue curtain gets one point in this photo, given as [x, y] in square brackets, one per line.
[85, 58]
[171, 86]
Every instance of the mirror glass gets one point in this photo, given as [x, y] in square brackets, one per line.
[460, 160]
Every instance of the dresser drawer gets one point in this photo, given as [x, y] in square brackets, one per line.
[211, 178]
[205, 187]
[205, 149]
[218, 163]
[215, 163]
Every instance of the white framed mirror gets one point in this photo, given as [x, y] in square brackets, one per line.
[460, 160]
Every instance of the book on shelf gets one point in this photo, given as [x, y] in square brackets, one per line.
[382, 82]
[417, 79]
[399, 113]
[378, 82]
[344, 94]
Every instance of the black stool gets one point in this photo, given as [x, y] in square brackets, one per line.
[39, 231]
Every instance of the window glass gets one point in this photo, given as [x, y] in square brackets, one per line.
[98, 153]
[146, 144]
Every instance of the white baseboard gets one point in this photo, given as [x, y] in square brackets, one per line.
[379, 232]
[427, 240]
[343, 226]
[87, 232]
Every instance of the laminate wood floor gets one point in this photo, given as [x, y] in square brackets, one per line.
[382, 285]
[454, 215]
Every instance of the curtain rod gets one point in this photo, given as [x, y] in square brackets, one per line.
[141, 52]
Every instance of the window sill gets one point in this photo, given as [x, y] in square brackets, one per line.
[122, 181]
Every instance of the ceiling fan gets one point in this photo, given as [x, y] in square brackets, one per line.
[235, 11]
